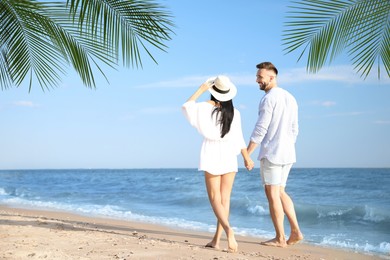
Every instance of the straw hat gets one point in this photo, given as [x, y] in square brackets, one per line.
[222, 88]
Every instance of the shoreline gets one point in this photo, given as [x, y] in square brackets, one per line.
[33, 234]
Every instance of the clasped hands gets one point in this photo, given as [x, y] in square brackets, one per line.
[249, 164]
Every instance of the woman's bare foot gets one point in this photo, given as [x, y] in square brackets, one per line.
[294, 238]
[274, 242]
[212, 244]
[232, 243]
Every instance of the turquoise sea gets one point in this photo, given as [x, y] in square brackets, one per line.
[338, 208]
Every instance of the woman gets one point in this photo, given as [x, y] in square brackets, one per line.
[220, 124]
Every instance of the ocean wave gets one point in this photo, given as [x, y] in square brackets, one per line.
[381, 248]
[375, 215]
[326, 212]
[253, 232]
[245, 206]
[258, 210]
[3, 192]
[108, 211]
[29, 204]
[364, 214]
[16, 192]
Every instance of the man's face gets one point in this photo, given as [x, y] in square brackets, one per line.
[264, 79]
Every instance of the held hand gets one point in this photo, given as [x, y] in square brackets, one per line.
[249, 164]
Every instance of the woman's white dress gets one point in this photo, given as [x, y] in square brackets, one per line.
[217, 155]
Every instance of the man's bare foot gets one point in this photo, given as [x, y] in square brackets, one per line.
[274, 242]
[294, 238]
[212, 245]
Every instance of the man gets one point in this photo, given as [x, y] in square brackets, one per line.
[276, 131]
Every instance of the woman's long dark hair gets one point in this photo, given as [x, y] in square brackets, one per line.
[226, 109]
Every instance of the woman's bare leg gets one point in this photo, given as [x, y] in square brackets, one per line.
[217, 237]
[219, 190]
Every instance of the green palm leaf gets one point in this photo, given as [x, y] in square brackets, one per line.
[324, 28]
[39, 39]
[26, 49]
[125, 24]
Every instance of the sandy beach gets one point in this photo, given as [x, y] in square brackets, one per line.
[33, 234]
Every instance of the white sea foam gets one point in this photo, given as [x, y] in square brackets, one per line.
[257, 210]
[253, 232]
[3, 192]
[117, 213]
[384, 247]
[322, 213]
[108, 211]
[374, 215]
[30, 204]
[341, 242]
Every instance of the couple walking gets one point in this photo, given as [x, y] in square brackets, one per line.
[275, 131]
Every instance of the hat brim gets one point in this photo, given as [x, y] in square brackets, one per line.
[219, 96]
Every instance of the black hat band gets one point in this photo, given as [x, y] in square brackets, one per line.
[221, 91]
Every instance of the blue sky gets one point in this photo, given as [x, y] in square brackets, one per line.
[135, 120]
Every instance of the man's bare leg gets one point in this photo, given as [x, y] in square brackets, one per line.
[288, 208]
[277, 216]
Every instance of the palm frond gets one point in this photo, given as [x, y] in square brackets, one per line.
[5, 77]
[40, 39]
[368, 36]
[5, 22]
[125, 23]
[326, 28]
[28, 48]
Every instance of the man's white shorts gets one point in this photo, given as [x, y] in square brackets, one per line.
[274, 174]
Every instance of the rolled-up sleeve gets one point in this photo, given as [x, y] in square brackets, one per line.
[263, 121]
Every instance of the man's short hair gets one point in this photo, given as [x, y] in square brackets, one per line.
[268, 66]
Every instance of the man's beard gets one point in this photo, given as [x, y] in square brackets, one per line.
[264, 86]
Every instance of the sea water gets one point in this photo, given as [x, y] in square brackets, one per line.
[339, 208]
